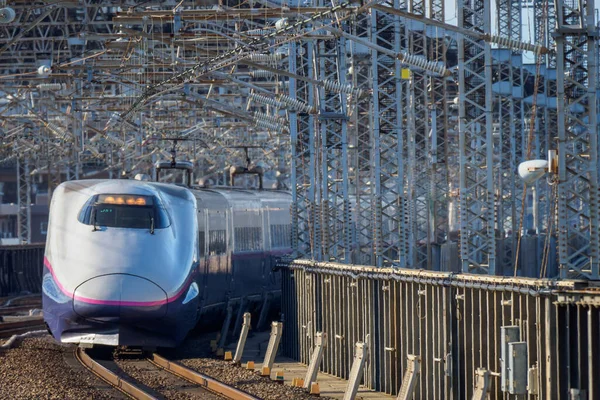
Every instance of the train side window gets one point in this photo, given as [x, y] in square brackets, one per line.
[217, 243]
[281, 236]
[248, 238]
[201, 243]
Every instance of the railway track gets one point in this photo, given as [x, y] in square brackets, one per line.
[34, 300]
[7, 329]
[12, 310]
[156, 378]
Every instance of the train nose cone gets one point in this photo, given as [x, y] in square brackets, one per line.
[120, 296]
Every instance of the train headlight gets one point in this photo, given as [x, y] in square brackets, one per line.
[130, 200]
[192, 293]
[51, 290]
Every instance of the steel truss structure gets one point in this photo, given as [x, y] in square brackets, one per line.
[577, 110]
[399, 135]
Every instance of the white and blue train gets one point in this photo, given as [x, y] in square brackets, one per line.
[137, 263]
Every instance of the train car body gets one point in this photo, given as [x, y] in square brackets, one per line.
[131, 263]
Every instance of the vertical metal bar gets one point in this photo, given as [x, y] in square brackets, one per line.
[447, 322]
[24, 201]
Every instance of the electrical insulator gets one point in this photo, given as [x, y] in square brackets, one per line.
[114, 140]
[258, 32]
[59, 133]
[261, 74]
[516, 45]
[270, 118]
[43, 70]
[7, 15]
[266, 100]
[51, 86]
[282, 23]
[337, 87]
[265, 58]
[270, 126]
[423, 63]
[295, 104]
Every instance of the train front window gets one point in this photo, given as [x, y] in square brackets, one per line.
[124, 211]
[116, 216]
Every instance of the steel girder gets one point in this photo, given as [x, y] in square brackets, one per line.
[477, 195]
[576, 44]
[302, 127]
[427, 135]
[439, 154]
[511, 141]
[24, 197]
[419, 183]
[360, 136]
[332, 193]
[389, 199]
[545, 128]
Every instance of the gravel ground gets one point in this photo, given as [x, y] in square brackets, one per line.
[37, 369]
[40, 368]
[195, 354]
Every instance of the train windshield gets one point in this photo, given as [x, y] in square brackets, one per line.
[124, 211]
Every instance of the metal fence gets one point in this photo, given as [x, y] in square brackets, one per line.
[21, 269]
[514, 337]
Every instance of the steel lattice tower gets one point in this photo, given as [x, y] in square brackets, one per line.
[578, 229]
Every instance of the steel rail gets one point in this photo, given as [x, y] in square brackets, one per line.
[9, 310]
[7, 329]
[200, 379]
[180, 371]
[110, 377]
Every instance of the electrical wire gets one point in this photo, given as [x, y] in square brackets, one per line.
[232, 56]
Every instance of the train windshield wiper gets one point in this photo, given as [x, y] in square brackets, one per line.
[151, 223]
[94, 220]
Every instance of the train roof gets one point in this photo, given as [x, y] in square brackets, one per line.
[219, 197]
[232, 197]
[91, 187]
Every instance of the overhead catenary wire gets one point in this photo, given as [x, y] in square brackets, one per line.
[236, 54]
